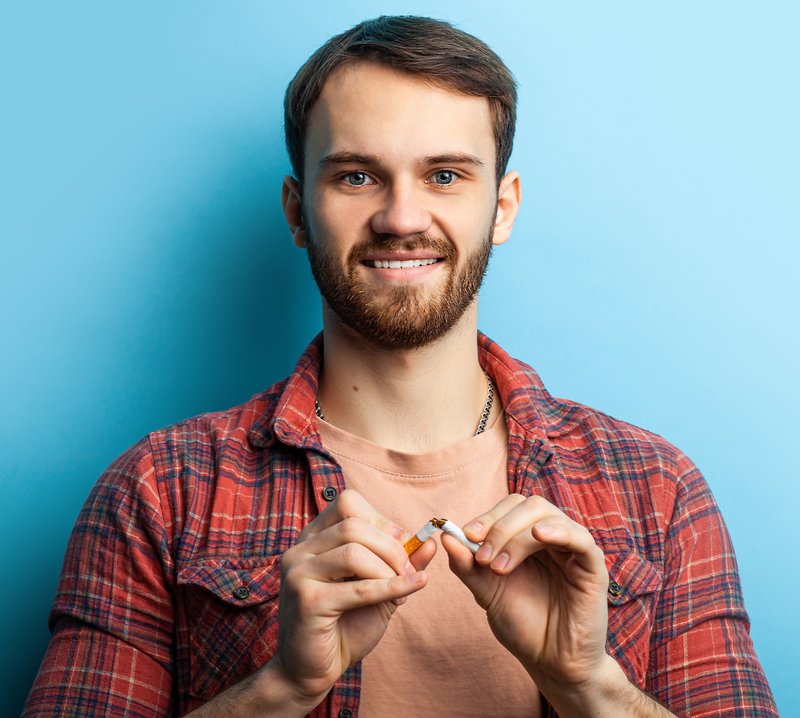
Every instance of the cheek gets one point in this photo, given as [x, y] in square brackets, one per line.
[469, 222]
[338, 218]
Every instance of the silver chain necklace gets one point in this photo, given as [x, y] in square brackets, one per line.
[487, 407]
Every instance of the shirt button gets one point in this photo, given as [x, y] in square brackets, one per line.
[241, 593]
[614, 588]
[345, 713]
[329, 494]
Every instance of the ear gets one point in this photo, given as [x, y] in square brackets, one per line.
[509, 196]
[292, 202]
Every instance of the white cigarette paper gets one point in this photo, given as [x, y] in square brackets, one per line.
[455, 531]
[427, 531]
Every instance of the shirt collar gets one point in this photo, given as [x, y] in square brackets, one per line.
[291, 416]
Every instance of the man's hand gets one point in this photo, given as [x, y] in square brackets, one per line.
[340, 585]
[542, 581]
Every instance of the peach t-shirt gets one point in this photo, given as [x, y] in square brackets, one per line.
[438, 656]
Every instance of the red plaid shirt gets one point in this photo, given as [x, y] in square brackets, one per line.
[169, 588]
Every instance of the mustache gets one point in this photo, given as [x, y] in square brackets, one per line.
[444, 248]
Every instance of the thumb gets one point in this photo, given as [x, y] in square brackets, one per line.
[478, 579]
[423, 555]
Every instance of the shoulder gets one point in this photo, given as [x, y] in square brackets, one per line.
[609, 466]
[585, 438]
[638, 466]
[576, 427]
[581, 431]
[636, 489]
[631, 476]
[187, 449]
[209, 433]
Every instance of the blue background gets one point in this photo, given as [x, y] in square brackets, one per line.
[146, 273]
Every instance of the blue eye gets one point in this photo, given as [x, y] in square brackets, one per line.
[444, 177]
[357, 179]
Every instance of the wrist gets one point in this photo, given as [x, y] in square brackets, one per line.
[277, 689]
[267, 692]
[590, 697]
[607, 692]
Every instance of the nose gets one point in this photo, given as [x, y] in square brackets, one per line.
[402, 212]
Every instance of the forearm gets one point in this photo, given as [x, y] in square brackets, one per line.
[610, 693]
[267, 692]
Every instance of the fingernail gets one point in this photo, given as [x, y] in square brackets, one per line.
[545, 528]
[484, 552]
[409, 568]
[473, 527]
[501, 561]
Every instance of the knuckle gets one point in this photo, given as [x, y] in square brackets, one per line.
[519, 544]
[350, 555]
[350, 528]
[291, 582]
[364, 590]
[537, 502]
[287, 561]
[308, 599]
[348, 501]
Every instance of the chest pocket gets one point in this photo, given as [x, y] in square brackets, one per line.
[633, 589]
[228, 621]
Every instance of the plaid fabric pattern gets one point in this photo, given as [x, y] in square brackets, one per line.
[169, 588]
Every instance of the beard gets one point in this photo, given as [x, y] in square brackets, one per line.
[401, 317]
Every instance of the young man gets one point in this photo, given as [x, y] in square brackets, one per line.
[252, 562]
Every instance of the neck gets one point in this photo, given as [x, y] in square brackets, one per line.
[413, 400]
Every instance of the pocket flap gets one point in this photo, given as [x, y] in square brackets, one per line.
[244, 583]
[630, 576]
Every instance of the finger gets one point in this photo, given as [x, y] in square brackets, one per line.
[462, 563]
[349, 561]
[369, 592]
[554, 531]
[424, 554]
[461, 558]
[348, 504]
[520, 515]
[574, 538]
[358, 531]
[477, 529]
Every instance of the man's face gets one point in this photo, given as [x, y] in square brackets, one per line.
[399, 203]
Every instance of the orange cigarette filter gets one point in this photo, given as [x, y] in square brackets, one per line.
[423, 535]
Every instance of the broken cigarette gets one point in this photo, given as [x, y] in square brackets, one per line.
[431, 527]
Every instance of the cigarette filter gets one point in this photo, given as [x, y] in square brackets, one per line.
[421, 536]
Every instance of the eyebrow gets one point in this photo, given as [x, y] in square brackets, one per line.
[355, 158]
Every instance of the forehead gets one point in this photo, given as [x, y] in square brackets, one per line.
[371, 109]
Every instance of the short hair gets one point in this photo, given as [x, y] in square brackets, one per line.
[431, 49]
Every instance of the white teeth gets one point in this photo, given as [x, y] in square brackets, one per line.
[405, 264]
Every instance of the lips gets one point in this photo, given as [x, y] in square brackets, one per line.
[400, 263]
[408, 254]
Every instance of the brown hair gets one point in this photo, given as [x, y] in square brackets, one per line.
[432, 49]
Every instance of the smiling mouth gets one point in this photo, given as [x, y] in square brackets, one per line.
[399, 264]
